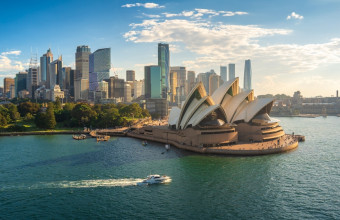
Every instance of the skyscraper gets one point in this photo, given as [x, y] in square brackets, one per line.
[231, 71]
[191, 80]
[7, 85]
[214, 83]
[153, 81]
[82, 72]
[173, 86]
[115, 87]
[20, 82]
[223, 73]
[164, 63]
[130, 75]
[100, 64]
[247, 75]
[45, 60]
[181, 79]
[56, 73]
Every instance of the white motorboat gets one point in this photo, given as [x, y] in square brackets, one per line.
[155, 179]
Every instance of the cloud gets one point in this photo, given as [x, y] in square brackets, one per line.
[294, 15]
[9, 66]
[216, 43]
[14, 52]
[145, 5]
[151, 16]
[200, 12]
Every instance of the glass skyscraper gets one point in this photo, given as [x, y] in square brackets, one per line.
[231, 71]
[247, 75]
[223, 73]
[45, 60]
[153, 82]
[99, 67]
[164, 63]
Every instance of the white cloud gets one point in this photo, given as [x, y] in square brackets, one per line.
[216, 43]
[200, 12]
[13, 52]
[294, 15]
[145, 5]
[151, 16]
[8, 65]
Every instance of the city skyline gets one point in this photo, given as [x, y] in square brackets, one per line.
[287, 53]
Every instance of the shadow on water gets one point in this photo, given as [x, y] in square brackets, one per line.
[115, 153]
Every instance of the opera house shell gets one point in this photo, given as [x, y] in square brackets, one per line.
[229, 121]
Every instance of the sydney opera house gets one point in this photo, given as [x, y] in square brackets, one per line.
[229, 121]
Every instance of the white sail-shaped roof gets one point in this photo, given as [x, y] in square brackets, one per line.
[194, 96]
[197, 118]
[193, 108]
[250, 110]
[235, 102]
[219, 95]
[174, 115]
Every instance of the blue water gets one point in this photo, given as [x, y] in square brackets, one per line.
[55, 177]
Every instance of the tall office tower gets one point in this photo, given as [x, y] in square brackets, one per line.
[56, 73]
[173, 86]
[82, 72]
[231, 71]
[100, 64]
[223, 73]
[1, 91]
[247, 75]
[130, 75]
[191, 80]
[181, 78]
[214, 83]
[164, 63]
[153, 82]
[115, 87]
[7, 86]
[204, 78]
[138, 88]
[127, 92]
[45, 60]
[12, 92]
[67, 77]
[32, 81]
[20, 82]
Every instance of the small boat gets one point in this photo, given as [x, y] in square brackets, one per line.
[93, 134]
[103, 138]
[167, 147]
[79, 137]
[155, 179]
[144, 143]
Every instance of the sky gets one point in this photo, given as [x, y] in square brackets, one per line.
[293, 45]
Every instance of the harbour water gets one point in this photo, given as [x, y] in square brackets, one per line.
[56, 177]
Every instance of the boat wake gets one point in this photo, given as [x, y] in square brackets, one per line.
[78, 184]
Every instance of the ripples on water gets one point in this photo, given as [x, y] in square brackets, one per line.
[56, 177]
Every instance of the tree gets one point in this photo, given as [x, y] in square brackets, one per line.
[50, 118]
[3, 120]
[13, 111]
[28, 107]
[83, 115]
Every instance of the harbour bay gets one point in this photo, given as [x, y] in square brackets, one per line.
[55, 176]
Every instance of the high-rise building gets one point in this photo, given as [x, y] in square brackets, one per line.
[164, 63]
[7, 84]
[100, 64]
[138, 88]
[82, 72]
[231, 71]
[45, 60]
[247, 75]
[223, 73]
[32, 79]
[115, 87]
[181, 79]
[204, 78]
[173, 86]
[214, 83]
[20, 82]
[130, 75]
[127, 92]
[12, 92]
[153, 81]
[56, 73]
[191, 80]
